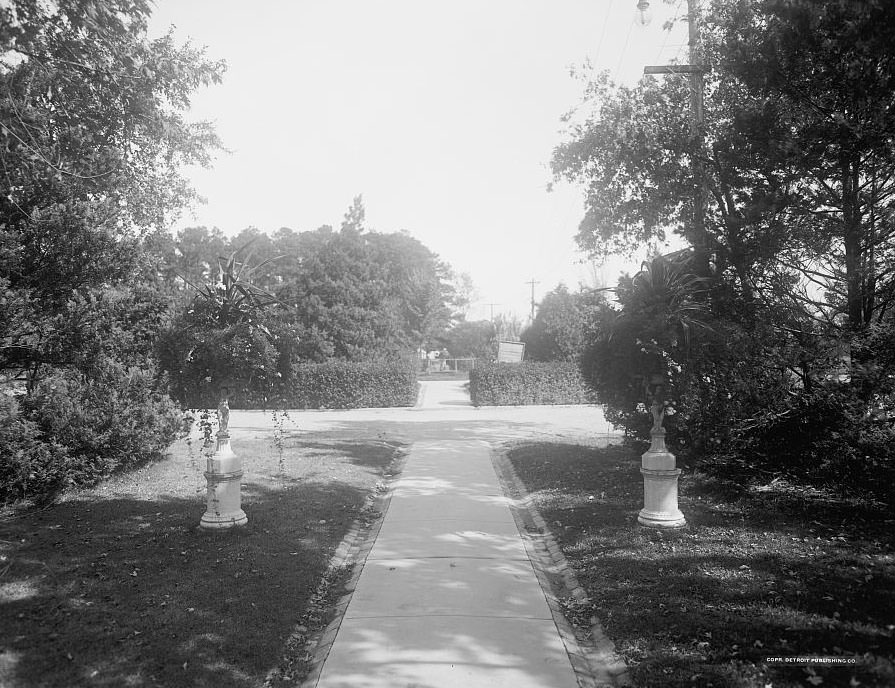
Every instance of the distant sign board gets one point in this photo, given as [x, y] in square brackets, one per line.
[510, 352]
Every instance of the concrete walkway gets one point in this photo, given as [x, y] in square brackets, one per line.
[447, 595]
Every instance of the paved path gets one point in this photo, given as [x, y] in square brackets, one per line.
[447, 595]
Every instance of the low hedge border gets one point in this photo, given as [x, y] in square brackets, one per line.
[345, 385]
[526, 383]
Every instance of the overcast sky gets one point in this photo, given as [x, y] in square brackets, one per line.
[442, 115]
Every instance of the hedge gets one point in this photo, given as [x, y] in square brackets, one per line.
[518, 384]
[343, 384]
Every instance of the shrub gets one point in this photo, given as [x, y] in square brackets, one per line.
[200, 362]
[344, 384]
[115, 419]
[517, 384]
[29, 466]
[825, 433]
[559, 330]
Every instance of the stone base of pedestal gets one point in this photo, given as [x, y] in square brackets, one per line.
[221, 521]
[660, 499]
[224, 476]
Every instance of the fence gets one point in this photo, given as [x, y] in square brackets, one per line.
[447, 365]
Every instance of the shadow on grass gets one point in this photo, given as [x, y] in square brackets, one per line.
[129, 592]
[759, 576]
[361, 453]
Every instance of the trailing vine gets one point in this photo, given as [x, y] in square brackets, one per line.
[206, 421]
[279, 418]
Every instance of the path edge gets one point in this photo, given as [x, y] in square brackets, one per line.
[352, 552]
[595, 660]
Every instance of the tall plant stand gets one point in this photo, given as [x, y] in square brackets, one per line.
[224, 477]
[660, 476]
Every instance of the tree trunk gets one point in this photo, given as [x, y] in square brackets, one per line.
[851, 220]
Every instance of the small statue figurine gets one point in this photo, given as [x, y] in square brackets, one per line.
[224, 414]
[658, 411]
[656, 393]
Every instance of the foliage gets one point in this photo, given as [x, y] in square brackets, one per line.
[813, 85]
[517, 384]
[362, 291]
[794, 157]
[232, 299]
[795, 246]
[76, 430]
[223, 342]
[508, 326]
[649, 339]
[201, 362]
[353, 384]
[826, 434]
[476, 339]
[345, 294]
[31, 467]
[558, 332]
[114, 418]
[93, 109]
[93, 139]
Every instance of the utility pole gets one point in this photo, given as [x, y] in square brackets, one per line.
[492, 309]
[697, 120]
[532, 282]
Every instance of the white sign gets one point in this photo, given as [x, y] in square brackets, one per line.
[510, 352]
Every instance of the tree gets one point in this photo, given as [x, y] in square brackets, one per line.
[196, 251]
[356, 293]
[92, 142]
[416, 289]
[798, 157]
[508, 326]
[93, 138]
[820, 79]
[465, 293]
[475, 339]
[558, 332]
[797, 150]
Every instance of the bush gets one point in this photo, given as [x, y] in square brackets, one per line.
[115, 419]
[517, 384]
[344, 384]
[29, 466]
[825, 433]
[199, 363]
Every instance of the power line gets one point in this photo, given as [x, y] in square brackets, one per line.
[670, 29]
[624, 50]
[603, 33]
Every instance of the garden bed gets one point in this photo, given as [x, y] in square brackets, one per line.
[762, 570]
[117, 586]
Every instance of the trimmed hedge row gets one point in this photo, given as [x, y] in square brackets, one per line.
[519, 384]
[343, 385]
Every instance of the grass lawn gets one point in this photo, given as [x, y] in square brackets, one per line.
[774, 570]
[117, 585]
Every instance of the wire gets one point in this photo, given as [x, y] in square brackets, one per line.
[621, 56]
[603, 33]
[669, 30]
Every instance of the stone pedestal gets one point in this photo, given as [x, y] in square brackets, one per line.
[660, 477]
[224, 476]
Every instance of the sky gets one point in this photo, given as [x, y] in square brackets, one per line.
[443, 116]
